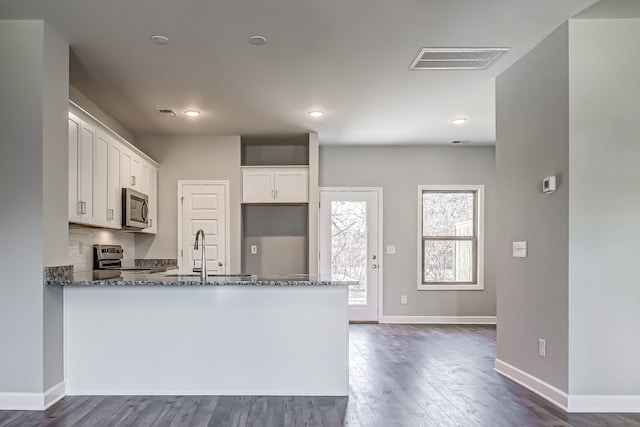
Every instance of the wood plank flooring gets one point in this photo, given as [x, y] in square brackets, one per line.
[400, 375]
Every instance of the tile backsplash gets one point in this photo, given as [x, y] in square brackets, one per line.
[81, 241]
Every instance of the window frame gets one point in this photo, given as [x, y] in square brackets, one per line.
[478, 283]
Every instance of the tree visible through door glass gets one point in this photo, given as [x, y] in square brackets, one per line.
[349, 247]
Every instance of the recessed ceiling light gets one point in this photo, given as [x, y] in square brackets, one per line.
[459, 120]
[192, 113]
[257, 40]
[316, 113]
[159, 39]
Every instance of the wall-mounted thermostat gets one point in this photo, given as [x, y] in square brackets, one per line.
[549, 184]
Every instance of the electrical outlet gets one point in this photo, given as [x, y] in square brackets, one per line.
[254, 249]
[542, 348]
[403, 299]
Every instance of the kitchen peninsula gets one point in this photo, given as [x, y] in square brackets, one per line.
[161, 333]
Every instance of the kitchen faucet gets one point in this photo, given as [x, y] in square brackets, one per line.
[203, 263]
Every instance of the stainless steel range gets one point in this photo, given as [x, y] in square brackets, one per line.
[109, 257]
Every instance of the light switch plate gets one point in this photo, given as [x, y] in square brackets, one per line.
[519, 249]
[254, 249]
[391, 249]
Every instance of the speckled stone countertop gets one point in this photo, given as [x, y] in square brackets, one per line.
[88, 278]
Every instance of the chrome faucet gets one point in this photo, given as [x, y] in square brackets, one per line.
[203, 263]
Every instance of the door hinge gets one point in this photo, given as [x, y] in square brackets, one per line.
[182, 199]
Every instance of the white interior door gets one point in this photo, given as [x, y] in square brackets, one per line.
[350, 246]
[203, 205]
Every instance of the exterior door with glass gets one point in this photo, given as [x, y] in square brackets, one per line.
[350, 245]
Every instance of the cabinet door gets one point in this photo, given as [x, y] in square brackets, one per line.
[126, 177]
[292, 186]
[114, 190]
[140, 171]
[257, 186]
[81, 152]
[85, 172]
[152, 187]
[74, 157]
[100, 180]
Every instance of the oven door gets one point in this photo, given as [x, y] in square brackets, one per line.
[135, 209]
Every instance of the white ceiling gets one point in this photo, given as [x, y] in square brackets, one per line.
[349, 58]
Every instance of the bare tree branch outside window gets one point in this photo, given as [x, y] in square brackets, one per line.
[449, 236]
[349, 246]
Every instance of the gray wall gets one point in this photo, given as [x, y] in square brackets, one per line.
[55, 215]
[33, 168]
[280, 234]
[532, 143]
[92, 108]
[399, 171]
[604, 209]
[183, 158]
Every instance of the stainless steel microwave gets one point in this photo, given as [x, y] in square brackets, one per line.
[135, 209]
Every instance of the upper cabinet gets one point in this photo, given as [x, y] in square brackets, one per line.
[275, 185]
[152, 191]
[134, 171]
[101, 164]
[275, 169]
[82, 146]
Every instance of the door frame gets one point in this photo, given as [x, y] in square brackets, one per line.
[227, 242]
[380, 268]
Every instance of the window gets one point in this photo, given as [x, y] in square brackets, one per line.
[450, 237]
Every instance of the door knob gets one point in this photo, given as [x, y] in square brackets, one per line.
[374, 266]
[374, 257]
[219, 263]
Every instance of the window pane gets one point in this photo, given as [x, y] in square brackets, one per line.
[447, 214]
[448, 261]
[349, 247]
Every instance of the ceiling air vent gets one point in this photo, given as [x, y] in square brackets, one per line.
[166, 112]
[457, 58]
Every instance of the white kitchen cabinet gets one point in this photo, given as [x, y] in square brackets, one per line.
[152, 192]
[114, 189]
[101, 179]
[82, 145]
[100, 165]
[134, 171]
[275, 185]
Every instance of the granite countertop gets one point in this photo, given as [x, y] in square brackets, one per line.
[89, 278]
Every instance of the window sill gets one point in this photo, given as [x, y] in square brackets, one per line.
[474, 287]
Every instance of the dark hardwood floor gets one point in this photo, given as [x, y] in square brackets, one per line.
[401, 375]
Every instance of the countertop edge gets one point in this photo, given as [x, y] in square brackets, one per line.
[98, 283]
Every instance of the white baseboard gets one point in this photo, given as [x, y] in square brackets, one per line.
[246, 392]
[32, 401]
[54, 394]
[528, 381]
[440, 320]
[570, 402]
[610, 403]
